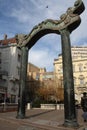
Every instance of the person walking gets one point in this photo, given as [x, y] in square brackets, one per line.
[84, 106]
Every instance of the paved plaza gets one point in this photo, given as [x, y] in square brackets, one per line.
[37, 119]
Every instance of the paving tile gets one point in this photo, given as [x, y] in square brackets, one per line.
[37, 119]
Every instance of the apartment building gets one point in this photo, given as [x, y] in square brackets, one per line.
[79, 61]
[10, 57]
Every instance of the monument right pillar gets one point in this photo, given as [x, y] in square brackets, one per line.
[69, 99]
[69, 22]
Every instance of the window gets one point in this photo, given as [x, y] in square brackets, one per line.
[81, 81]
[0, 54]
[73, 68]
[0, 57]
[74, 80]
[0, 76]
[0, 61]
[19, 58]
[61, 69]
[18, 71]
[37, 76]
[13, 98]
[85, 67]
[80, 67]
[81, 78]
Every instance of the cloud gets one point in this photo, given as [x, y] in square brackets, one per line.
[32, 12]
[80, 32]
[42, 58]
[51, 41]
[21, 16]
[45, 51]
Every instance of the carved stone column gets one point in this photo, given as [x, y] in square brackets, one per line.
[22, 84]
[69, 99]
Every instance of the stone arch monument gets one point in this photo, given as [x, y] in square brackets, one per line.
[67, 23]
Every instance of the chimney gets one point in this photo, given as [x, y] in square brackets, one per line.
[5, 36]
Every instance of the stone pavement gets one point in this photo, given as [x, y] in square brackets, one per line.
[37, 119]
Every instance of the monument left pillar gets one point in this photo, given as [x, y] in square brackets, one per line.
[22, 83]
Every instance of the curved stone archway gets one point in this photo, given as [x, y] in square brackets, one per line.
[67, 23]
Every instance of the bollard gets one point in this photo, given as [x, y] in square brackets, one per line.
[28, 106]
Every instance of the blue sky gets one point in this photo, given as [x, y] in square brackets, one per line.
[20, 16]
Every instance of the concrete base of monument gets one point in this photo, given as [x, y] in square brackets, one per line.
[71, 123]
[20, 116]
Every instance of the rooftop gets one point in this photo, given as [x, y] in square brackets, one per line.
[8, 41]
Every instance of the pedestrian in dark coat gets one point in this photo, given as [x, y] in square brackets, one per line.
[84, 106]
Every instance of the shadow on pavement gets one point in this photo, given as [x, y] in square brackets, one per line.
[38, 114]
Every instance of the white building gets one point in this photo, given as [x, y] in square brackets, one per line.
[10, 57]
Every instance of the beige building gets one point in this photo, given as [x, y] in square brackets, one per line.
[36, 73]
[79, 60]
[36, 78]
[33, 72]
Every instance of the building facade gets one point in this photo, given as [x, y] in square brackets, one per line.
[79, 61]
[37, 78]
[10, 62]
[10, 57]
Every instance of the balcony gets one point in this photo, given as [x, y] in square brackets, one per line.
[82, 87]
[2, 72]
[3, 83]
[3, 75]
[14, 78]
